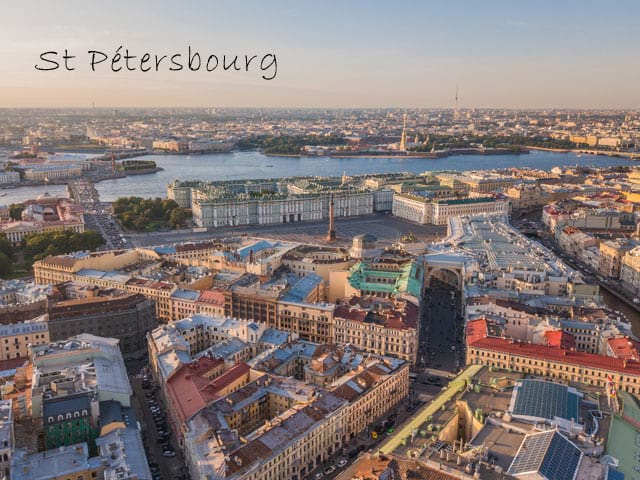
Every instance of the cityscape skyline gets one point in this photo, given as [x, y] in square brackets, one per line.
[327, 240]
[572, 56]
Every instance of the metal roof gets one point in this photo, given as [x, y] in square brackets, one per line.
[548, 454]
[541, 399]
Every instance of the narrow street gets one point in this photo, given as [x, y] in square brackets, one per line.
[441, 336]
[169, 468]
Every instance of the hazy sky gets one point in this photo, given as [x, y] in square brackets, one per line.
[581, 54]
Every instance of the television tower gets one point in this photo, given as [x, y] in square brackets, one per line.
[456, 113]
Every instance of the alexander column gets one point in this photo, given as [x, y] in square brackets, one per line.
[331, 235]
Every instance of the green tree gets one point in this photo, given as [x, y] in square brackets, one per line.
[15, 210]
[39, 246]
[6, 265]
[179, 216]
[5, 246]
[145, 214]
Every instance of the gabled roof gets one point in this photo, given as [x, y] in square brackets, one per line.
[548, 454]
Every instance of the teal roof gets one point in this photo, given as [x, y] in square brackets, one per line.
[408, 279]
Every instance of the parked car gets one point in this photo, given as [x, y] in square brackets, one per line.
[168, 453]
[342, 463]
[318, 475]
[329, 470]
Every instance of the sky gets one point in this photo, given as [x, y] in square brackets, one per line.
[400, 53]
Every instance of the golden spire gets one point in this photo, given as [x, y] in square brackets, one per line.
[403, 138]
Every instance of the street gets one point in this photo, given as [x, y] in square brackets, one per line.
[97, 215]
[165, 468]
[365, 441]
[441, 334]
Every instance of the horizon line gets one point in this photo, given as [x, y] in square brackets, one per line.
[111, 107]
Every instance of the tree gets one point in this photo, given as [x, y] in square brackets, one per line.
[5, 246]
[39, 246]
[6, 266]
[179, 216]
[146, 214]
[15, 210]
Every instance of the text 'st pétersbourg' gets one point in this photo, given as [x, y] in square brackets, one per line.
[122, 59]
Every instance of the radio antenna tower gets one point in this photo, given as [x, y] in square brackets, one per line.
[456, 113]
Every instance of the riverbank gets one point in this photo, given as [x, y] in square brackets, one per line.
[143, 171]
[404, 155]
[62, 181]
[254, 165]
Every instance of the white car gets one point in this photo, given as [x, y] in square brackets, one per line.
[342, 463]
[168, 453]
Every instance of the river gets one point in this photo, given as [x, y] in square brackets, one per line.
[244, 165]
[629, 312]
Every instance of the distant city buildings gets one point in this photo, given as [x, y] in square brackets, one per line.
[9, 177]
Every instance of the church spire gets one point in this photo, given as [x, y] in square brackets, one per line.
[403, 138]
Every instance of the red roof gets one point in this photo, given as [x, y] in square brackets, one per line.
[190, 390]
[212, 297]
[401, 318]
[476, 329]
[560, 339]
[624, 347]
[13, 363]
[347, 313]
[544, 352]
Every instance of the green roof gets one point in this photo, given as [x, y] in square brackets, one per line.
[621, 443]
[407, 279]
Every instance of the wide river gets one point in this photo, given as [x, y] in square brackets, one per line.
[244, 165]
